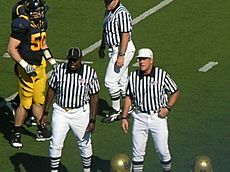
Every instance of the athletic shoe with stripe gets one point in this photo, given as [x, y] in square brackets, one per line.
[111, 116]
[43, 134]
[31, 121]
[16, 141]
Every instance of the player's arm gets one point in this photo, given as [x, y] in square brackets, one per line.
[122, 49]
[124, 116]
[18, 32]
[13, 52]
[13, 49]
[48, 55]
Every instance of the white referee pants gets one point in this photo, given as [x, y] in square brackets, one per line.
[116, 79]
[142, 124]
[76, 120]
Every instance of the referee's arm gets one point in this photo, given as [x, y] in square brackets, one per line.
[122, 49]
[101, 50]
[94, 102]
[172, 101]
[173, 98]
[48, 101]
[49, 98]
[124, 116]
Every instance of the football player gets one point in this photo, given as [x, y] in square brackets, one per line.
[28, 48]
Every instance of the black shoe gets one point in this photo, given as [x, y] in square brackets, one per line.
[31, 121]
[112, 116]
[43, 134]
[16, 141]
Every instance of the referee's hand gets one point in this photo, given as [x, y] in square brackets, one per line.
[125, 125]
[120, 61]
[163, 113]
[90, 128]
[44, 120]
[101, 52]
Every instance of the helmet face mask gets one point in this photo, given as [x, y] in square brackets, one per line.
[34, 15]
[36, 9]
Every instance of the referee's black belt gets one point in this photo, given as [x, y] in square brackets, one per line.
[149, 111]
[114, 46]
[70, 108]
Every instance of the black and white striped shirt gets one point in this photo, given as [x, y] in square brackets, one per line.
[115, 23]
[150, 92]
[73, 89]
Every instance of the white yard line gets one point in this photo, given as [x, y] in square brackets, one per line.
[151, 11]
[135, 21]
[208, 66]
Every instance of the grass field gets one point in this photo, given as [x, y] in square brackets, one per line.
[185, 36]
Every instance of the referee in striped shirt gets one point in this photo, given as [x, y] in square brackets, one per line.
[75, 87]
[117, 29]
[153, 93]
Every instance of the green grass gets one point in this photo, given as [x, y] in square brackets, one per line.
[185, 35]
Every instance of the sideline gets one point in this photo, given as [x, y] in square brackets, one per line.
[97, 44]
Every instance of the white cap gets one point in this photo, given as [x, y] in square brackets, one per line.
[145, 52]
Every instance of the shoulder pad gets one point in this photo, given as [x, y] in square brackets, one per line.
[20, 25]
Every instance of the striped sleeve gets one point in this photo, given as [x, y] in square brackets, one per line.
[125, 20]
[53, 78]
[94, 86]
[132, 81]
[170, 85]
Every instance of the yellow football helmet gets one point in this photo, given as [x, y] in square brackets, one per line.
[202, 163]
[120, 163]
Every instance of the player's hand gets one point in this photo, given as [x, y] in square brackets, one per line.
[54, 66]
[30, 70]
[120, 61]
[101, 52]
[125, 125]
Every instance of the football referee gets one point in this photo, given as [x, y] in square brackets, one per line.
[117, 29]
[75, 87]
[153, 93]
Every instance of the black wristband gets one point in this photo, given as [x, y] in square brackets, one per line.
[121, 54]
[124, 117]
[45, 113]
[92, 121]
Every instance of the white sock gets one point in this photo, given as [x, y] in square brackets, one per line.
[116, 105]
[86, 170]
